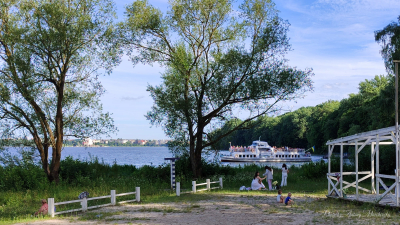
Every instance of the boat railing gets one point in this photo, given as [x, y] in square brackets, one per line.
[241, 149]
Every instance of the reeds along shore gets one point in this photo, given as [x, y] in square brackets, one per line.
[23, 186]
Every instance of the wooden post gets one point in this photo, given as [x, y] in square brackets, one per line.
[50, 205]
[341, 169]
[396, 65]
[220, 183]
[356, 149]
[372, 169]
[178, 189]
[113, 198]
[377, 164]
[208, 184]
[137, 194]
[84, 204]
[329, 165]
[194, 186]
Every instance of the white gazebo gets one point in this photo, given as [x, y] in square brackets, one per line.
[375, 138]
[363, 141]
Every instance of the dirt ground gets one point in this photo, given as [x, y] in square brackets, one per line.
[221, 209]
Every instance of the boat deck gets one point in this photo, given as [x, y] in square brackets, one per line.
[232, 159]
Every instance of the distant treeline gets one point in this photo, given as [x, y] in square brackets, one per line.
[79, 143]
[371, 108]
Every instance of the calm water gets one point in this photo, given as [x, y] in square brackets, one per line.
[139, 156]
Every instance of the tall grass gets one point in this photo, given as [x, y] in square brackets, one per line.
[22, 187]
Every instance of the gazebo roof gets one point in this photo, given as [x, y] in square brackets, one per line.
[384, 134]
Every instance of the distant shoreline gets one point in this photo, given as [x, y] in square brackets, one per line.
[113, 146]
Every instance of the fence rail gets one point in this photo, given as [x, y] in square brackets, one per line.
[84, 201]
[194, 186]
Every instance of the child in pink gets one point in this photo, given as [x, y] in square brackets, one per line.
[43, 209]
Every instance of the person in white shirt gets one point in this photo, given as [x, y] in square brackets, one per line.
[269, 175]
[285, 172]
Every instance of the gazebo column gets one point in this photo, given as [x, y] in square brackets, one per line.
[372, 169]
[341, 169]
[397, 166]
[377, 163]
[329, 166]
[356, 151]
[396, 69]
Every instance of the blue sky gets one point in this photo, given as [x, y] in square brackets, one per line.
[334, 37]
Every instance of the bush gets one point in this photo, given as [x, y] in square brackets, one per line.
[24, 177]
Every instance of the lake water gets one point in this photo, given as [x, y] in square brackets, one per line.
[139, 156]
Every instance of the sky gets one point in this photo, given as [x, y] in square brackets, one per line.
[334, 37]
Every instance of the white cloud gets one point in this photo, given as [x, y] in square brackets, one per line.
[334, 37]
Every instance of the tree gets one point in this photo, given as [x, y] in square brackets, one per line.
[389, 37]
[219, 60]
[50, 56]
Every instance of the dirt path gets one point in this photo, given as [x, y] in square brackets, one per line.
[219, 209]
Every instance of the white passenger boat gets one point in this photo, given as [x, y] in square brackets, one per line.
[261, 151]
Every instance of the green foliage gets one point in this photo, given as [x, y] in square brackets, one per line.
[211, 74]
[314, 126]
[318, 170]
[51, 53]
[389, 37]
[23, 177]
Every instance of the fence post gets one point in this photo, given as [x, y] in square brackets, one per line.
[208, 184]
[50, 203]
[178, 189]
[138, 194]
[84, 204]
[113, 197]
[220, 182]
[194, 186]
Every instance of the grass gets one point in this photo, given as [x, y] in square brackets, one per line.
[19, 205]
[324, 210]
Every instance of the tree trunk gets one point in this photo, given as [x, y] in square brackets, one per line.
[195, 155]
[192, 154]
[198, 166]
[51, 173]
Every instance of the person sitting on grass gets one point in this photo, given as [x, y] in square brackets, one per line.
[288, 200]
[43, 209]
[257, 184]
[280, 198]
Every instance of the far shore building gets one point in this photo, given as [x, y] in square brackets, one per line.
[142, 142]
[87, 142]
[103, 141]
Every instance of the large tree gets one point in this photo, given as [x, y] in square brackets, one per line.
[389, 37]
[220, 61]
[51, 53]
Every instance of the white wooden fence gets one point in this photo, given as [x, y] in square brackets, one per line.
[194, 186]
[84, 201]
